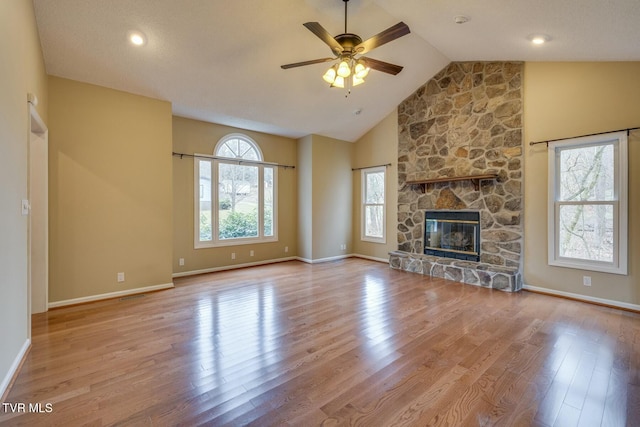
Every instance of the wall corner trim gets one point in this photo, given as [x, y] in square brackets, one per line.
[13, 370]
[372, 258]
[328, 259]
[110, 295]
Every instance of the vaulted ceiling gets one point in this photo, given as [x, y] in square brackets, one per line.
[219, 61]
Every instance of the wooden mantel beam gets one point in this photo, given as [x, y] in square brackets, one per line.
[475, 179]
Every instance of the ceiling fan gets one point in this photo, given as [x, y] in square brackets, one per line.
[351, 68]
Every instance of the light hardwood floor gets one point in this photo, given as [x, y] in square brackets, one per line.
[343, 343]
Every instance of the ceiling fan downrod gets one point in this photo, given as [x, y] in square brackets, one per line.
[345, 15]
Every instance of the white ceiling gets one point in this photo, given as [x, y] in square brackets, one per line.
[219, 61]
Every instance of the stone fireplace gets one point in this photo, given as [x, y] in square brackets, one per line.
[460, 149]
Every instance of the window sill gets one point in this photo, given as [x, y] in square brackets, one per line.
[373, 240]
[589, 266]
[234, 242]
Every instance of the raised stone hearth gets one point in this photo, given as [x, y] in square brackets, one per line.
[506, 279]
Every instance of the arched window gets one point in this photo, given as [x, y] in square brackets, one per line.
[235, 195]
[237, 146]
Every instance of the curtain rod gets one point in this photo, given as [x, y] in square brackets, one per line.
[239, 161]
[369, 167]
[582, 136]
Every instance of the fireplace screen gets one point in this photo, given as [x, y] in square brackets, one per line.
[452, 234]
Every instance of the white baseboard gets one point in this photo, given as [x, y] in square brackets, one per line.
[233, 267]
[110, 295]
[585, 298]
[334, 258]
[328, 259]
[274, 261]
[14, 367]
[372, 258]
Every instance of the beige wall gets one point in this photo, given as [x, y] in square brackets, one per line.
[21, 71]
[332, 197]
[325, 197]
[379, 146]
[192, 136]
[305, 201]
[572, 99]
[110, 179]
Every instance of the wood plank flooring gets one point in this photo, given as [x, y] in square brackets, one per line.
[350, 342]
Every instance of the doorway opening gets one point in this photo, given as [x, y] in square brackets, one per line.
[38, 224]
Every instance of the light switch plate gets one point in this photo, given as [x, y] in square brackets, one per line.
[25, 207]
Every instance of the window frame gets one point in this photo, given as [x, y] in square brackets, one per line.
[363, 216]
[215, 161]
[619, 202]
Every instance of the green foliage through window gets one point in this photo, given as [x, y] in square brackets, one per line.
[239, 224]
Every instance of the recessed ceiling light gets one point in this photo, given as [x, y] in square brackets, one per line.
[539, 39]
[137, 38]
[460, 19]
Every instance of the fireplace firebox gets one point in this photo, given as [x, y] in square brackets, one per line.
[452, 234]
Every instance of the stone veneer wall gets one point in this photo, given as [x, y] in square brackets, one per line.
[466, 120]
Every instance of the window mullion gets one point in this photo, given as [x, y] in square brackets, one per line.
[260, 201]
[215, 203]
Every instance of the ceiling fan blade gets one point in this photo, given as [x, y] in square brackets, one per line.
[324, 35]
[386, 36]
[303, 63]
[385, 67]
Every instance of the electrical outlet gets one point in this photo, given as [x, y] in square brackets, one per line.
[120, 277]
[251, 253]
[233, 255]
[286, 249]
[181, 261]
[586, 280]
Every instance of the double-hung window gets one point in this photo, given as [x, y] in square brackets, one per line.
[588, 203]
[236, 195]
[373, 204]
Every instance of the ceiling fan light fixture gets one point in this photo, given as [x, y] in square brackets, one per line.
[339, 82]
[357, 81]
[343, 69]
[361, 71]
[330, 75]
